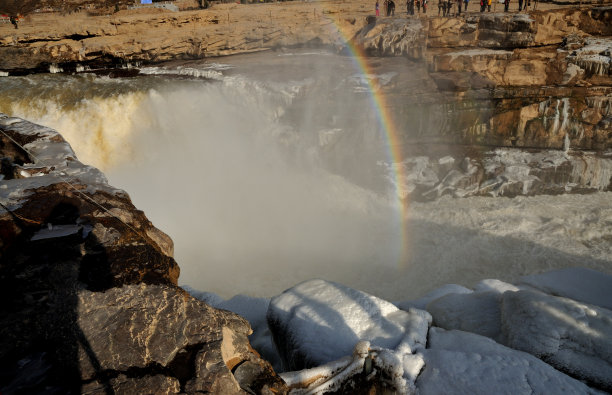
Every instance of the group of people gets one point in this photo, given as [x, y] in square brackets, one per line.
[419, 4]
[389, 7]
[445, 7]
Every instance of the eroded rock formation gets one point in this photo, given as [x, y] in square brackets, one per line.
[90, 301]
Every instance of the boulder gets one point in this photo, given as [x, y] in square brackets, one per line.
[317, 322]
[573, 337]
[477, 312]
[581, 284]
[90, 302]
[464, 363]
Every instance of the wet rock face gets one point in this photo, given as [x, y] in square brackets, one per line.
[90, 302]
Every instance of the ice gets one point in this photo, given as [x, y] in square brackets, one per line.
[581, 284]
[573, 337]
[422, 302]
[394, 371]
[464, 363]
[318, 321]
[477, 312]
[495, 286]
[48, 151]
[56, 231]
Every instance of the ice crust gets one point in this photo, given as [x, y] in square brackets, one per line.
[56, 161]
[318, 321]
[581, 284]
[573, 337]
[458, 362]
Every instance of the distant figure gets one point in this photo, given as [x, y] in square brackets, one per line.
[377, 10]
[391, 8]
[459, 5]
[442, 7]
[386, 7]
[506, 5]
[483, 5]
[465, 2]
[449, 7]
[410, 7]
[521, 5]
[13, 20]
[489, 5]
[418, 4]
[425, 6]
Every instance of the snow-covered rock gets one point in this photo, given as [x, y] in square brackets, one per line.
[581, 284]
[477, 312]
[422, 302]
[464, 363]
[573, 337]
[495, 285]
[368, 370]
[317, 322]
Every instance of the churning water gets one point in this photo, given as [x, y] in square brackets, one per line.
[273, 169]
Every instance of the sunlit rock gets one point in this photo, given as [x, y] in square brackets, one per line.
[573, 337]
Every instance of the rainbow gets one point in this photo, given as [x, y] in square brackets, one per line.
[392, 135]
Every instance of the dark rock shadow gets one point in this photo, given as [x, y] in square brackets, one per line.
[39, 284]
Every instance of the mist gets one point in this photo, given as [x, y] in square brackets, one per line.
[274, 170]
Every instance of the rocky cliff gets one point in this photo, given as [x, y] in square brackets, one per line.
[90, 301]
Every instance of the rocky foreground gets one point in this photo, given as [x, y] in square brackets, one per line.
[90, 301]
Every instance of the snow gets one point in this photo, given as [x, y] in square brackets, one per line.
[422, 302]
[464, 363]
[580, 284]
[495, 286]
[318, 321]
[56, 231]
[396, 370]
[573, 337]
[477, 312]
[48, 151]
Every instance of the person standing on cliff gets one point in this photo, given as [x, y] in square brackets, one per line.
[465, 2]
[410, 7]
[391, 8]
[377, 8]
[418, 4]
[506, 5]
[489, 5]
[14, 20]
[459, 5]
[521, 5]
[425, 6]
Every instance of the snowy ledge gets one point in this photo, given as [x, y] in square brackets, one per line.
[45, 159]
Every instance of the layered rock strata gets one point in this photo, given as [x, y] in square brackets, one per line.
[90, 301]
